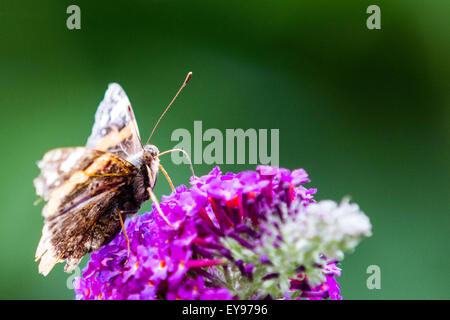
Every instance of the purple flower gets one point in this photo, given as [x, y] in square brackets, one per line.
[329, 289]
[191, 260]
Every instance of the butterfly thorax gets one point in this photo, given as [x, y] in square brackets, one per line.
[147, 163]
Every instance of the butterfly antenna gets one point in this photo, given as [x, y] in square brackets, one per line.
[188, 77]
[185, 154]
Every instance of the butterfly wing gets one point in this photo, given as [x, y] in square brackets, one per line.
[85, 190]
[115, 129]
[58, 165]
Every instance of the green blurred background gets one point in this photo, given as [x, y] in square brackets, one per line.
[365, 112]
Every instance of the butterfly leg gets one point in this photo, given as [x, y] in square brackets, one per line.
[120, 164]
[120, 212]
[161, 213]
[167, 177]
[125, 171]
[106, 175]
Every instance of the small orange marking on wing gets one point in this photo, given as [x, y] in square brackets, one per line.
[98, 165]
[77, 178]
[58, 194]
[114, 138]
[81, 178]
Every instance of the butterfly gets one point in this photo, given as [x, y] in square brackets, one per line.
[89, 191]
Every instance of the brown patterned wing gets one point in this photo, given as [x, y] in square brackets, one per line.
[58, 165]
[83, 203]
[115, 129]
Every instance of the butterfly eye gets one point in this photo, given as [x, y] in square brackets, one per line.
[151, 150]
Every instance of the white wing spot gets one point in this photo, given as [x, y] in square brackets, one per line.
[51, 177]
[67, 165]
[56, 155]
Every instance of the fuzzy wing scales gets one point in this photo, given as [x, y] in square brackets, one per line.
[58, 165]
[82, 209]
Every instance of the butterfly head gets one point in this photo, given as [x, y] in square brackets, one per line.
[150, 153]
[151, 163]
